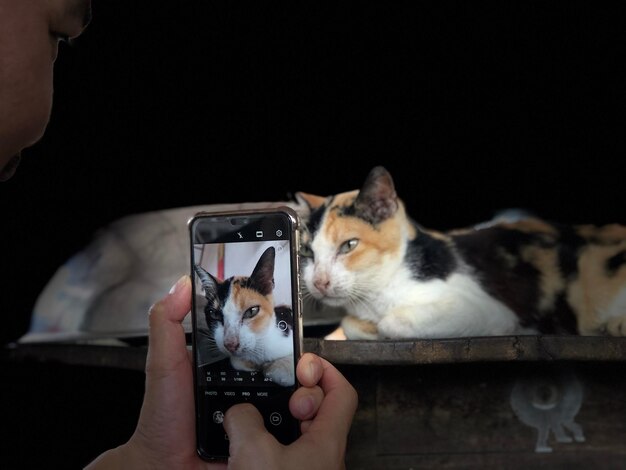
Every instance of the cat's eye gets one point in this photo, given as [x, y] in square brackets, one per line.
[348, 246]
[305, 251]
[251, 312]
[215, 314]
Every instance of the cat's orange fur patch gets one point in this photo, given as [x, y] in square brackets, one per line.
[551, 283]
[312, 200]
[336, 335]
[247, 298]
[594, 291]
[611, 233]
[531, 225]
[383, 240]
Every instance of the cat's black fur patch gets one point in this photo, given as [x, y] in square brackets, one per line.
[516, 286]
[429, 257]
[561, 321]
[315, 218]
[569, 247]
[496, 256]
[615, 262]
[215, 300]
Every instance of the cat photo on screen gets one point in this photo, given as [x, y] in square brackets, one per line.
[244, 324]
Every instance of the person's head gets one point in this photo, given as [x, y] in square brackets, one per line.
[30, 31]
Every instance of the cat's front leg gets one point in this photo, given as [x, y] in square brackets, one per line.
[356, 328]
[336, 335]
[414, 322]
[617, 326]
[280, 371]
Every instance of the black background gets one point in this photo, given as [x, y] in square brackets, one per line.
[472, 106]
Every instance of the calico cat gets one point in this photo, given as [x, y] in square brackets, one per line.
[397, 279]
[246, 325]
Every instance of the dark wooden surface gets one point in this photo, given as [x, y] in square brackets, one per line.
[422, 404]
[460, 416]
[371, 353]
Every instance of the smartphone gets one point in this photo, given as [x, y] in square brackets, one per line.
[246, 320]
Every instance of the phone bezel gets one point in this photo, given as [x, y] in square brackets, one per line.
[297, 329]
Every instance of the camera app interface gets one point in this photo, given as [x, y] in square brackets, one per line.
[244, 340]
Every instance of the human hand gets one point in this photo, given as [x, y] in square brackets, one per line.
[325, 404]
[165, 433]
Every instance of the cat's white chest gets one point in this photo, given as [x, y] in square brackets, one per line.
[456, 306]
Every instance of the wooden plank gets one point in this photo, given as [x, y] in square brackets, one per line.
[375, 353]
[461, 416]
[474, 349]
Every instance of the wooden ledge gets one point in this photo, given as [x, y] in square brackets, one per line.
[377, 353]
[474, 349]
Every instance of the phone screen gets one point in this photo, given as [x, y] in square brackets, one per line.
[246, 320]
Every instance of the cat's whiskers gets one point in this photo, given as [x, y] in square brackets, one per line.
[208, 340]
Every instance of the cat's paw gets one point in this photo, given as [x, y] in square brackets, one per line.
[355, 328]
[281, 371]
[617, 326]
[337, 335]
[241, 364]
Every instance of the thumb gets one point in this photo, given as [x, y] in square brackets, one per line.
[243, 422]
[167, 343]
[250, 442]
[168, 401]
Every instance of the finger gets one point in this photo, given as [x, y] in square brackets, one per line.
[243, 422]
[167, 341]
[177, 302]
[251, 445]
[309, 369]
[337, 410]
[168, 400]
[304, 426]
[305, 402]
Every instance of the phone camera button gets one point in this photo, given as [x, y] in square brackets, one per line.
[218, 417]
[282, 325]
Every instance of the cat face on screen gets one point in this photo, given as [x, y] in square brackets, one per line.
[245, 323]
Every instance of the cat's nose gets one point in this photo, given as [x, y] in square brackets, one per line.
[321, 284]
[231, 344]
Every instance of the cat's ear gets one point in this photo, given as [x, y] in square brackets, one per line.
[311, 200]
[209, 283]
[262, 277]
[377, 199]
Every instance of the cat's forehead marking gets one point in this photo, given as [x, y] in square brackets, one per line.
[384, 239]
[245, 298]
[343, 200]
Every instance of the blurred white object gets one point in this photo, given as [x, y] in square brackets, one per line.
[105, 290]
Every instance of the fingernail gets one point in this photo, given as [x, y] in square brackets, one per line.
[178, 284]
[154, 308]
[313, 368]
